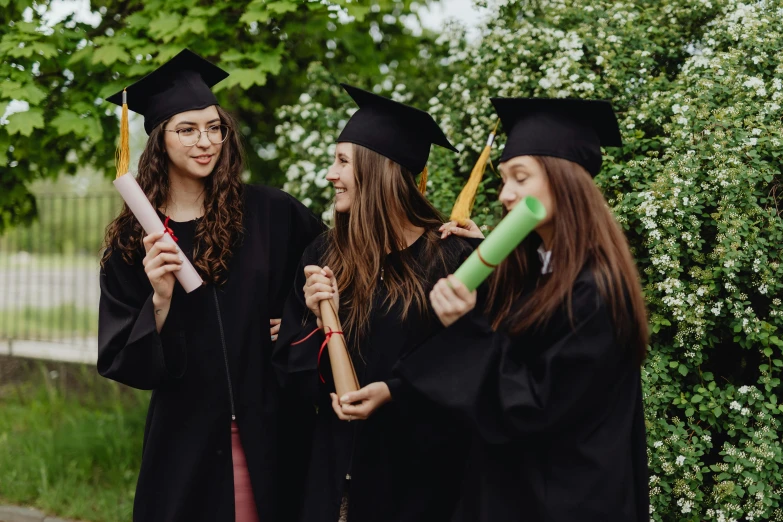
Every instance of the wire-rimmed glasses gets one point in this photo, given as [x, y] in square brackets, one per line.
[189, 136]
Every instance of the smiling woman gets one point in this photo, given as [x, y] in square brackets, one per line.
[204, 353]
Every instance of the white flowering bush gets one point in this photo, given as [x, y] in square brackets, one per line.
[698, 186]
[307, 136]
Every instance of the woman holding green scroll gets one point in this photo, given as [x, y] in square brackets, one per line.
[546, 370]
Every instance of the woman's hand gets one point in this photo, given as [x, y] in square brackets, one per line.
[468, 229]
[362, 403]
[451, 300]
[160, 263]
[320, 285]
[274, 328]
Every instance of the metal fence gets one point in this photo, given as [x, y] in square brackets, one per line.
[49, 274]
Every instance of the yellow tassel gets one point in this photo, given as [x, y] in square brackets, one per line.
[122, 156]
[464, 204]
[423, 181]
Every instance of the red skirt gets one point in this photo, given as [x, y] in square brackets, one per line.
[244, 503]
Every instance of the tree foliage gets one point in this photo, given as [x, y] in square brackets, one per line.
[64, 72]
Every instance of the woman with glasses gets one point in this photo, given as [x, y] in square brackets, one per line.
[211, 438]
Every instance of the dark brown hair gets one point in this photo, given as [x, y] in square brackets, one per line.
[386, 199]
[585, 234]
[217, 231]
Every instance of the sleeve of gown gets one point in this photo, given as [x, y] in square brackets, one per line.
[478, 373]
[295, 354]
[130, 349]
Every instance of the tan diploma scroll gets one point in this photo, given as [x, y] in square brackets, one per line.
[344, 375]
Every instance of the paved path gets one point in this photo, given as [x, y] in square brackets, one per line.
[36, 287]
[85, 352]
[19, 514]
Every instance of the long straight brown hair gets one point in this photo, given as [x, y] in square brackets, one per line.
[585, 234]
[217, 232]
[361, 240]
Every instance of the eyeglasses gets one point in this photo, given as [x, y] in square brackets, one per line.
[189, 136]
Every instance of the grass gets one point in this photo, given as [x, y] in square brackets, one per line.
[57, 322]
[70, 441]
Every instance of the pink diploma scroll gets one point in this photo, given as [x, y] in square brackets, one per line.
[140, 206]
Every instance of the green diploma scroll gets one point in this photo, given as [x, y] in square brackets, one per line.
[501, 242]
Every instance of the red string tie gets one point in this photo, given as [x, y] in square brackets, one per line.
[168, 229]
[328, 335]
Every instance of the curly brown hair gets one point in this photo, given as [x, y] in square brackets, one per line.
[217, 232]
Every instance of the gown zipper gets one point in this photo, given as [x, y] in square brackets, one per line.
[225, 355]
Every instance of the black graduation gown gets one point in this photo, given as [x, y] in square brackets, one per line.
[186, 471]
[405, 463]
[557, 415]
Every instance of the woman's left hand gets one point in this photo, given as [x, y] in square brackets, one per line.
[274, 328]
[451, 300]
[467, 229]
[362, 403]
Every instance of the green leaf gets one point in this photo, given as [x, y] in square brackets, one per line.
[137, 19]
[282, 7]
[270, 62]
[696, 398]
[358, 11]
[193, 25]
[94, 130]
[673, 364]
[261, 13]
[165, 26]
[3, 106]
[25, 122]
[254, 15]
[689, 412]
[110, 54]
[81, 54]
[44, 49]
[683, 370]
[16, 51]
[204, 11]
[67, 122]
[245, 78]
[768, 352]
[232, 55]
[17, 91]
[717, 411]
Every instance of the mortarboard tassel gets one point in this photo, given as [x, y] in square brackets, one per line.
[423, 181]
[122, 156]
[464, 204]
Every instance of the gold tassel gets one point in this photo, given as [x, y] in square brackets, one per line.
[423, 181]
[122, 155]
[464, 204]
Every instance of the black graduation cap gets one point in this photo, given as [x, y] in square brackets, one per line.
[567, 128]
[397, 131]
[181, 84]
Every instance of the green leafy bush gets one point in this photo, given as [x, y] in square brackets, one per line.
[697, 85]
